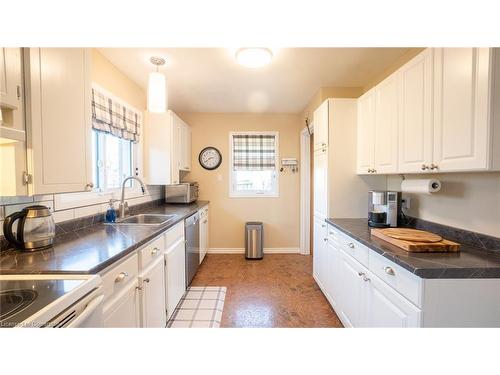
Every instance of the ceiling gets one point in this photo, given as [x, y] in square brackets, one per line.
[210, 80]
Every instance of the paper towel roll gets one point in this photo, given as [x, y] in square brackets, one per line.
[420, 186]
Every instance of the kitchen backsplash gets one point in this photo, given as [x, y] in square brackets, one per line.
[77, 208]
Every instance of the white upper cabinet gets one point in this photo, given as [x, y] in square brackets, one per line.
[461, 115]
[59, 119]
[10, 78]
[415, 114]
[185, 149]
[366, 133]
[320, 123]
[386, 126]
[321, 183]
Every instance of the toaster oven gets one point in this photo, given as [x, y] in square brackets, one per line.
[186, 192]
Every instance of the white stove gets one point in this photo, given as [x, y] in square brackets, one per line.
[50, 301]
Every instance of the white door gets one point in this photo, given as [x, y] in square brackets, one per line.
[320, 122]
[176, 147]
[175, 275]
[387, 308]
[320, 193]
[319, 252]
[461, 127]
[352, 292]
[123, 310]
[59, 118]
[152, 281]
[366, 133]
[415, 114]
[386, 126]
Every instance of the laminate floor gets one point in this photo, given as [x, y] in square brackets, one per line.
[278, 291]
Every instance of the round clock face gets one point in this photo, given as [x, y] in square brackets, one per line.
[210, 158]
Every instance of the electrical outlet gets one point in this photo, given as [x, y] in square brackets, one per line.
[405, 203]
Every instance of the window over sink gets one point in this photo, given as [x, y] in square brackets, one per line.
[253, 164]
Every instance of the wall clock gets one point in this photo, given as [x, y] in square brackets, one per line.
[210, 158]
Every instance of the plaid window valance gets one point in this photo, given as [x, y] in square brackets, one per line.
[115, 117]
[254, 152]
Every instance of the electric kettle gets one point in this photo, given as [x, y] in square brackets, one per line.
[35, 229]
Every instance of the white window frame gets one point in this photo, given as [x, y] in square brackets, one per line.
[254, 194]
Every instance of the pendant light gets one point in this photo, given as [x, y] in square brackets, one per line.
[157, 88]
[254, 57]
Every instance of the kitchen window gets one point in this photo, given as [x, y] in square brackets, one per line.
[253, 164]
[112, 160]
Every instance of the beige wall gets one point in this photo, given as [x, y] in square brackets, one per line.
[228, 215]
[105, 74]
[467, 200]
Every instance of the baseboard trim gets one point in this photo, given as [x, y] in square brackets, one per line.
[269, 250]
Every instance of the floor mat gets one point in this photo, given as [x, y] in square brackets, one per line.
[201, 307]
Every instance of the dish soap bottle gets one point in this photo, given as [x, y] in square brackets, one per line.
[111, 213]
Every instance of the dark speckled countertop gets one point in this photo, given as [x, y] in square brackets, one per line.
[470, 262]
[92, 249]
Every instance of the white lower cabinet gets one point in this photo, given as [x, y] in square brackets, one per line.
[123, 310]
[350, 307]
[175, 275]
[204, 225]
[152, 290]
[320, 256]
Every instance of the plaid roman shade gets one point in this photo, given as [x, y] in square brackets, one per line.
[254, 152]
[115, 117]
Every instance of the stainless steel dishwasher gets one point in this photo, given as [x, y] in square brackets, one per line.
[192, 228]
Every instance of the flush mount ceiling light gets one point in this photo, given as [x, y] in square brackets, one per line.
[254, 57]
[157, 88]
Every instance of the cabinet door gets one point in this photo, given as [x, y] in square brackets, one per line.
[461, 127]
[320, 252]
[334, 282]
[59, 119]
[321, 183]
[387, 308]
[11, 82]
[320, 123]
[153, 311]
[185, 161]
[415, 113]
[175, 273]
[176, 147]
[157, 148]
[386, 126]
[123, 310]
[366, 133]
[351, 308]
[204, 222]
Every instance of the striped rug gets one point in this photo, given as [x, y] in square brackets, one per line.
[200, 307]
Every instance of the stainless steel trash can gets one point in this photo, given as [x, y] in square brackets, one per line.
[254, 240]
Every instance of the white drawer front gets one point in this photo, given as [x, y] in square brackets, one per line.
[354, 249]
[174, 234]
[403, 281]
[119, 276]
[151, 251]
[334, 235]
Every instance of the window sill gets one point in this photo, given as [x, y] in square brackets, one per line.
[254, 195]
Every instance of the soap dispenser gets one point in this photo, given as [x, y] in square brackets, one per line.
[111, 213]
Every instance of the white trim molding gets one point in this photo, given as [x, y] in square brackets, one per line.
[268, 250]
[305, 193]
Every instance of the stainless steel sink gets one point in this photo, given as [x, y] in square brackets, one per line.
[146, 219]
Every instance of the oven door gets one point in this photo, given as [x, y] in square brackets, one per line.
[87, 312]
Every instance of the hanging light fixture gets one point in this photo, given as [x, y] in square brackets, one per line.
[254, 57]
[157, 88]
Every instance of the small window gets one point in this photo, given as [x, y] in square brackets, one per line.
[254, 170]
[112, 160]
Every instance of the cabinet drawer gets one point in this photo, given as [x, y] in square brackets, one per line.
[119, 276]
[333, 235]
[174, 234]
[151, 251]
[203, 212]
[354, 249]
[397, 277]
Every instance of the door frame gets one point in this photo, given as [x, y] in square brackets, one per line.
[305, 191]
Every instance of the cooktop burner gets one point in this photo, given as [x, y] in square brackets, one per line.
[20, 299]
[13, 301]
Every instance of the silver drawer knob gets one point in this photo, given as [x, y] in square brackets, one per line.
[121, 276]
[361, 274]
[146, 280]
[154, 251]
[325, 239]
[389, 271]
[366, 278]
[351, 245]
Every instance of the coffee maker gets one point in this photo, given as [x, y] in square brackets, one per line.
[384, 208]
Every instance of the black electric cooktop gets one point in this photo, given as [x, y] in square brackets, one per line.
[20, 299]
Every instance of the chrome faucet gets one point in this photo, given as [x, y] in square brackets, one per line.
[123, 208]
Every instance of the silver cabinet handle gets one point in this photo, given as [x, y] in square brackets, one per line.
[89, 186]
[323, 225]
[389, 270]
[434, 166]
[121, 276]
[154, 251]
[331, 233]
[366, 278]
[146, 280]
[205, 222]
[325, 239]
[424, 167]
[351, 245]
[361, 273]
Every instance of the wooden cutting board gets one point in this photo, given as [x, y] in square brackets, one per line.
[415, 241]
